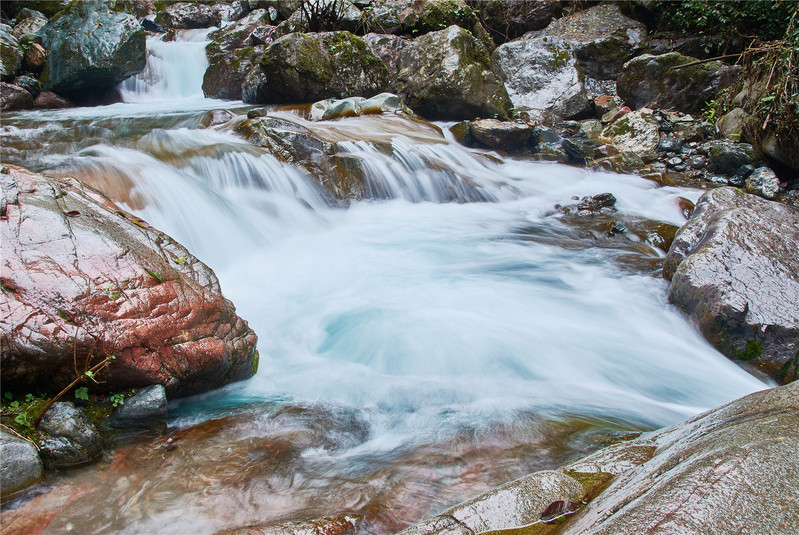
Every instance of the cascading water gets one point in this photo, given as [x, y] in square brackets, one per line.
[414, 350]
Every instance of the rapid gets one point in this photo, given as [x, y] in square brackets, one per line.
[446, 333]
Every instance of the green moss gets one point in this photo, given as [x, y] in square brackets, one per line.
[785, 373]
[593, 482]
[256, 359]
[752, 350]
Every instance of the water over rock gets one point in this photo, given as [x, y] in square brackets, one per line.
[542, 74]
[343, 524]
[448, 75]
[306, 67]
[661, 82]
[92, 49]
[602, 39]
[734, 269]
[83, 280]
[21, 466]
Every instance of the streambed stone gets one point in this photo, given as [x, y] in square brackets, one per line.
[21, 466]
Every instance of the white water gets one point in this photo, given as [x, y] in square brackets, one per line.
[428, 320]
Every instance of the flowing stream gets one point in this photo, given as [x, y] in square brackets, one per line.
[450, 332]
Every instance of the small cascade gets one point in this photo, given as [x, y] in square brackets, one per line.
[174, 69]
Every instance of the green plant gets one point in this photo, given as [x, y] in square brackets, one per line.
[117, 400]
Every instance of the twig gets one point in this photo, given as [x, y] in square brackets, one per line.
[726, 56]
[88, 373]
[14, 431]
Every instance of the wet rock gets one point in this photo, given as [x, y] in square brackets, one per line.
[310, 67]
[733, 269]
[624, 162]
[49, 100]
[329, 109]
[80, 440]
[82, 280]
[670, 144]
[21, 466]
[10, 53]
[579, 151]
[29, 84]
[602, 39]
[542, 74]
[691, 131]
[448, 75]
[14, 97]
[462, 132]
[387, 48]
[727, 158]
[149, 25]
[343, 524]
[696, 162]
[187, 15]
[286, 140]
[731, 124]
[501, 135]
[637, 131]
[516, 503]
[146, 408]
[596, 203]
[693, 477]
[92, 49]
[509, 19]
[763, 182]
[660, 82]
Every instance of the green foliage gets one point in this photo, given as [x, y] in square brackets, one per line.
[117, 400]
[764, 19]
[82, 393]
[752, 350]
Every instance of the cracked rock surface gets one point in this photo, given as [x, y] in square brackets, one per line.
[81, 280]
[734, 268]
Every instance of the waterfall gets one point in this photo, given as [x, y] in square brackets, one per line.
[174, 70]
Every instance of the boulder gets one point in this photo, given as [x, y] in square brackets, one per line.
[383, 16]
[387, 48]
[655, 82]
[602, 38]
[308, 67]
[35, 57]
[322, 16]
[501, 135]
[343, 524]
[49, 100]
[328, 109]
[187, 15]
[726, 158]
[509, 19]
[731, 124]
[423, 16]
[734, 268]
[448, 75]
[29, 84]
[638, 131]
[92, 49]
[83, 280]
[729, 470]
[542, 74]
[782, 148]
[21, 466]
[76, 438]
[10, 53]
[287, 140]
[14, 97]
[28, 21]
[762, 181]
[517, 503]
[146, 408]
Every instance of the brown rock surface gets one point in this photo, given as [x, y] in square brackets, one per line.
[81, 280]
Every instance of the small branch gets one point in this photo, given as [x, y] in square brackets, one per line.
[726, 56]
[14, 432]
[88, 373]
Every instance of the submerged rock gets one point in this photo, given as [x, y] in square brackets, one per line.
[304, 67]
[448, 75]
[21, 466]
[734, 268]
[92, 49]
[662, 82]
[83, 280]
[343, 524]
[542, 74]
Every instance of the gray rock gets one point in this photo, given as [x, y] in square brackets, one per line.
[10, 53]
[763, 182]
[729, 470]
[448, 75]
[92, 48]
[655, 82]
[734, 268]
[21, 466]
[59, 452]
[187, 15]
[726, 158]
[28, 21]
[542, 74]
[29, 84]
[64, 420]
[146, 408]
[731, 124]
[387, 48]
[501, 135]
[783, 148]
[509, 19]
[602, 39]
[13, 97]
[309, 67]
[383, 16]
[638, 131]
[670, 144]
